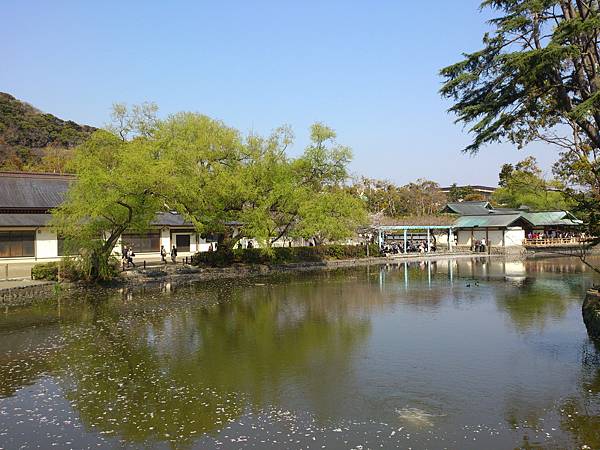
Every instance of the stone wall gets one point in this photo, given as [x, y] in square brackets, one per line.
[591, 313]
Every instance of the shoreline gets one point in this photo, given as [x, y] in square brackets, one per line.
[191, 273]
[27, 295]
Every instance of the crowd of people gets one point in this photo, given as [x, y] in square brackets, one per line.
[554, 234]
[411, 247]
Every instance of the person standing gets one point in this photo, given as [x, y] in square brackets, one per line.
[163, 254]
[130, 256]
[174, 254]
[125, 256]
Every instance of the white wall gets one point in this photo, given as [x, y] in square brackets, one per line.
[441, 237]
[495, 237]
[165, 239]
[514, 236]
[46, 244]
[464, 237]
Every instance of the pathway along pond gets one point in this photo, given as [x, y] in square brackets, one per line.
[415, 355]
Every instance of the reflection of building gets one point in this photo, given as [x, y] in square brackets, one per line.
[25, 203]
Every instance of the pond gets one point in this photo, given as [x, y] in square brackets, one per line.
[466, 353]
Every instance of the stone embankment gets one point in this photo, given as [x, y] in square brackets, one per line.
[591, 313]
[26, 294]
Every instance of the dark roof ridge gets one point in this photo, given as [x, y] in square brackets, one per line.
[469, 201]
[516, 213]
[474, 186]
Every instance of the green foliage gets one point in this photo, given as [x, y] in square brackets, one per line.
[116, 190]
[27, 136]
[299, 197]
[525, 185]
[201, 161]
[422, 197]
[45, 271]
[70, 269]
[330, 216]
[459, 193]
[209, 173]
[283, 255]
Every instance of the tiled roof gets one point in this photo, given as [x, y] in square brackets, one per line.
[32, 191]
[551, 218]
[170, 219]
[489, 220]
[534, 219]
[468, 208]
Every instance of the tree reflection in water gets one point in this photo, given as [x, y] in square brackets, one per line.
[176, 374]
[173, 368]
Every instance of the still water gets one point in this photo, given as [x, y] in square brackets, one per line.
[463, 354]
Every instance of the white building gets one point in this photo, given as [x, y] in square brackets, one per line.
[25, 203]
[504, 227]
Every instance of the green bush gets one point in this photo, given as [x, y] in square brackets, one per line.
[282, 255]
[45, 271]
[70, 269]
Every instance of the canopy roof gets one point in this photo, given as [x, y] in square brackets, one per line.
[549, 218]
[491, 220]
[531, 219]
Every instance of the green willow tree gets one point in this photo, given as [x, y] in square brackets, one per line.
[210, 174]
[327, 211]
[200, 161]
[537, 78]
[113, 193]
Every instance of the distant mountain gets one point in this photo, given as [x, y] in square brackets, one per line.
[28, 135]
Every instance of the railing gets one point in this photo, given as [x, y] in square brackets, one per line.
[555, 242]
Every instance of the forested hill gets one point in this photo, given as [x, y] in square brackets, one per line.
[34, 140]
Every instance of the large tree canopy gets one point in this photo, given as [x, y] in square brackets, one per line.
[113, 193]
[538, 68]
[536, 78]
[212, 175]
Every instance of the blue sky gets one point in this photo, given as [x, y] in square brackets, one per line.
[369, 69]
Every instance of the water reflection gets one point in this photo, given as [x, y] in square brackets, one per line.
[475, 346]
[581, 411]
